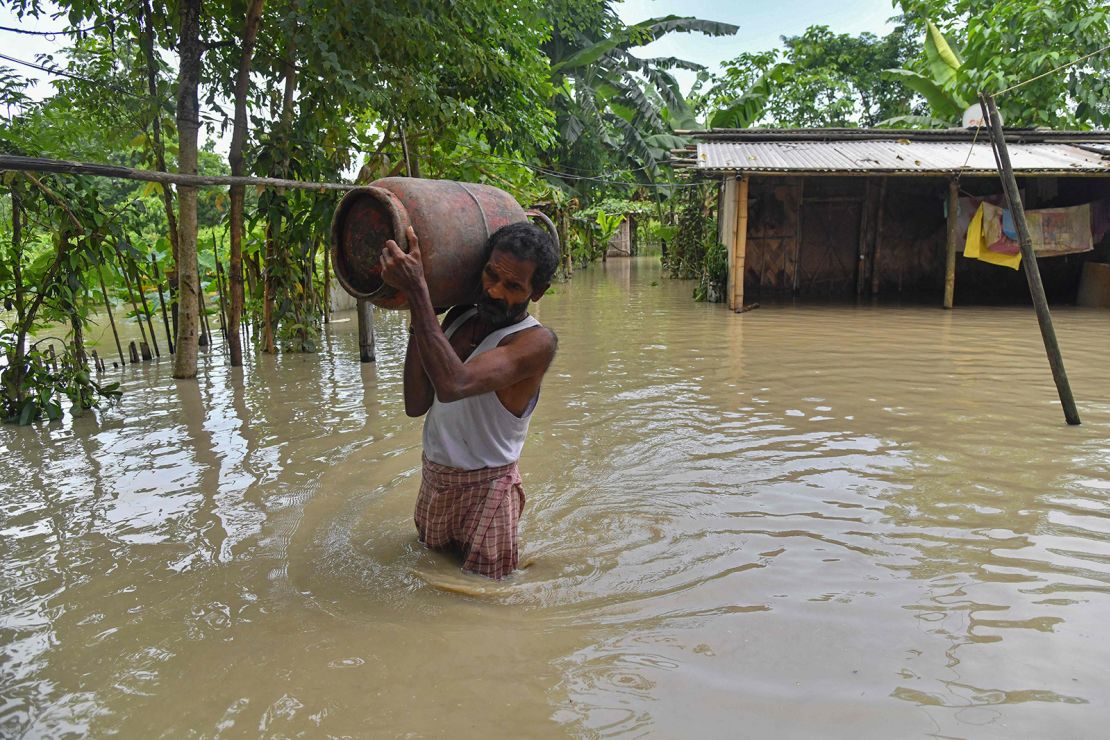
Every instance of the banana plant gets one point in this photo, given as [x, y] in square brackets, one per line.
[945, 88]
[607, 97]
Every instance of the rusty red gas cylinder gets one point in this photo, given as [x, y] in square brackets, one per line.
[453, 221]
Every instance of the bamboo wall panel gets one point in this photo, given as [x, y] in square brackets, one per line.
[827, 255]
[808, 236]
[772, 235]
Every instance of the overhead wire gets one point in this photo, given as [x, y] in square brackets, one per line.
[1015, 86]
[568, 176]
[63, 32]
[71, 75]
[1052, 71]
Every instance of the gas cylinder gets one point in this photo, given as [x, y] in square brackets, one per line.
[453, 221]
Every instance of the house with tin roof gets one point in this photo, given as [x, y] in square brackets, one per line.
[838, 213]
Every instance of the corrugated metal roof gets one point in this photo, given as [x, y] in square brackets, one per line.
[900, 156]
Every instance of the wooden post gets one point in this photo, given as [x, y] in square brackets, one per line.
[365, 311]
[739, 248]
[878, 238]
[798, 236]
[950, 254]
[162, 301]
[864, 236]
[327, 285]
[1029, 261]
[108, 308]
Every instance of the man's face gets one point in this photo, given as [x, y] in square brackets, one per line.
[506, 288]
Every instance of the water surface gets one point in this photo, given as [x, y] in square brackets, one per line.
[801, 521]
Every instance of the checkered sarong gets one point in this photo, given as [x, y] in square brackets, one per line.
[474, 510]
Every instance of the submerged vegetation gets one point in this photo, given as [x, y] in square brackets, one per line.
[549, 100]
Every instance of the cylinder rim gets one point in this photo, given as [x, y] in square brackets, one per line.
[400, 220]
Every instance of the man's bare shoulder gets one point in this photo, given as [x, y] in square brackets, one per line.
[535, 340]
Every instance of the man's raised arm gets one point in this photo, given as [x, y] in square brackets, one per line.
[450, 378]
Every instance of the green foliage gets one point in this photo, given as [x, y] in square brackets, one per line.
[685, 259]
[714, 277]
[817, 79]
[969, 46]
[608, 224]
[32, 383]
[615, 112]
[544, 99]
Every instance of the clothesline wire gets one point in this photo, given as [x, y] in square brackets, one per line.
[1053, 71]
[979, 127]
[963, 167]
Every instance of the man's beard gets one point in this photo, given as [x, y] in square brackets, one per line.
[499, 313]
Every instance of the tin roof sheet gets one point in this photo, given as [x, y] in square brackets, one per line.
[895, 156]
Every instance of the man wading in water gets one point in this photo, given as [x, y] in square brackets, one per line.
[477, 379]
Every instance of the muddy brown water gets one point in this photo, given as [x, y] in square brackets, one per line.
[803, 521]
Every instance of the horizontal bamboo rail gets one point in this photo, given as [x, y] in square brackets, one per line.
[9, 162]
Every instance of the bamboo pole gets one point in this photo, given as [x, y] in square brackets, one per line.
[219, 287]
[205, 338]
[365, 330]
[327, 286]
[878, 239]
[131, 296]
[798, 236]
[245, 277]
[42, 164]
[740, 247]
[146, 307]
[1029, 261]
[111, 320]
[162, 302]
[950, 254]
[864, 235]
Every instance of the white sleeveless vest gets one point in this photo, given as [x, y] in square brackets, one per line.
[477, 432]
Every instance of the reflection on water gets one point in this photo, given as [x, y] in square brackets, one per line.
[864, 518]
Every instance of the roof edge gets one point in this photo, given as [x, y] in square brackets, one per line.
[1015, 135]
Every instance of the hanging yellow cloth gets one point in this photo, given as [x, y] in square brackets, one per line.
[976, 246]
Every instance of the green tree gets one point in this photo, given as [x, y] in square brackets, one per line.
[995, 45]
[819, 78]
[614, 109]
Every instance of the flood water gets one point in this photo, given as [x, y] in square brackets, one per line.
[802, 521]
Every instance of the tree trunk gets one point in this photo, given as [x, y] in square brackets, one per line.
[238, 168]
[188, 125]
